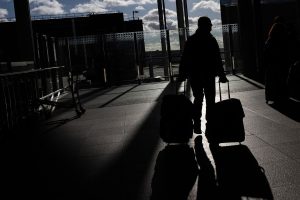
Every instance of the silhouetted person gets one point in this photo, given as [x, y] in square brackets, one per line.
[277, 62]
[201, 62]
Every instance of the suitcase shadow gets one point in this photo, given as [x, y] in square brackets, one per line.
[175, 173]
[239, 174]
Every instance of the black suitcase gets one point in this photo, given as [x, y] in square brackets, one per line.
[176, 120]
[226, 121]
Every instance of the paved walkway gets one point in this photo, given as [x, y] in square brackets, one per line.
[112, 151]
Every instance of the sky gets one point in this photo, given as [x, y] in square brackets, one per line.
[147, 10]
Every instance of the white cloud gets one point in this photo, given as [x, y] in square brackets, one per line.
[216, 22]
[209, 4]
[139, 8]
[121, 3]
[105, 5]
[171, 13]
[3, 14]
[92, 6]
[151, 20]
[193, 23]
[46, 7]
[124, 3]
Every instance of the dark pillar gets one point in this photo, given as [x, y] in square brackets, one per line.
[257, 26]
[25, 47]
[162, 26]
[181, 22]
[298, 9]
[247, 38]
[53, 56]
[186, 18]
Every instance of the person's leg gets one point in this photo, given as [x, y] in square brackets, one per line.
[197, 110]
[210, 93]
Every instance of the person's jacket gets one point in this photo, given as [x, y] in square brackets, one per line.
[201, 57]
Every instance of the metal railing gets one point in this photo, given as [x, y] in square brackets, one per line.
[21, 91]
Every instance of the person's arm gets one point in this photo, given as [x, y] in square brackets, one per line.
[183, 73]
[219, 64]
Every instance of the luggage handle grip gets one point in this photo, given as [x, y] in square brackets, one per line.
[228, 90]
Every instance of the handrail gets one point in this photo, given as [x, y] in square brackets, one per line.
[30, 71]
[20, 93]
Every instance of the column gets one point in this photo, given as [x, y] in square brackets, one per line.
[25, 47]
[186, 18]
[163, 36]
[181, 22]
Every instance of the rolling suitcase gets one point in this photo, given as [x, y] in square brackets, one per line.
[226, 121]
[176, 119]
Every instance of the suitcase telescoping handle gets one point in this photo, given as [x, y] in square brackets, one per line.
[228, 89]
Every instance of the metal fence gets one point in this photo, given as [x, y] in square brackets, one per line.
[20, 92]
[103, 59]
[116, 57]
[227, 37]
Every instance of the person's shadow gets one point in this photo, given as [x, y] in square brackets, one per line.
[207, 183]
[239, 174]
[175, 173]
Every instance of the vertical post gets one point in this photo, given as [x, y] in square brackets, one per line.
[180, 20]
[103, 50]
[37, 50]
[136, 56]
[186, 18]
[298, 3]
[47, 59]
[231, 48]
[74, 36]
[151, 73]
[54, 51]
[24, 31]
[257, 26]
[163, 36]
[169, 64]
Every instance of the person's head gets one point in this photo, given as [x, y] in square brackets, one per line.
[204, 24]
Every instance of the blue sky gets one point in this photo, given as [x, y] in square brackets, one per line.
[147, 9]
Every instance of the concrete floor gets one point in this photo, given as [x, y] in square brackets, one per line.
[113, 151]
